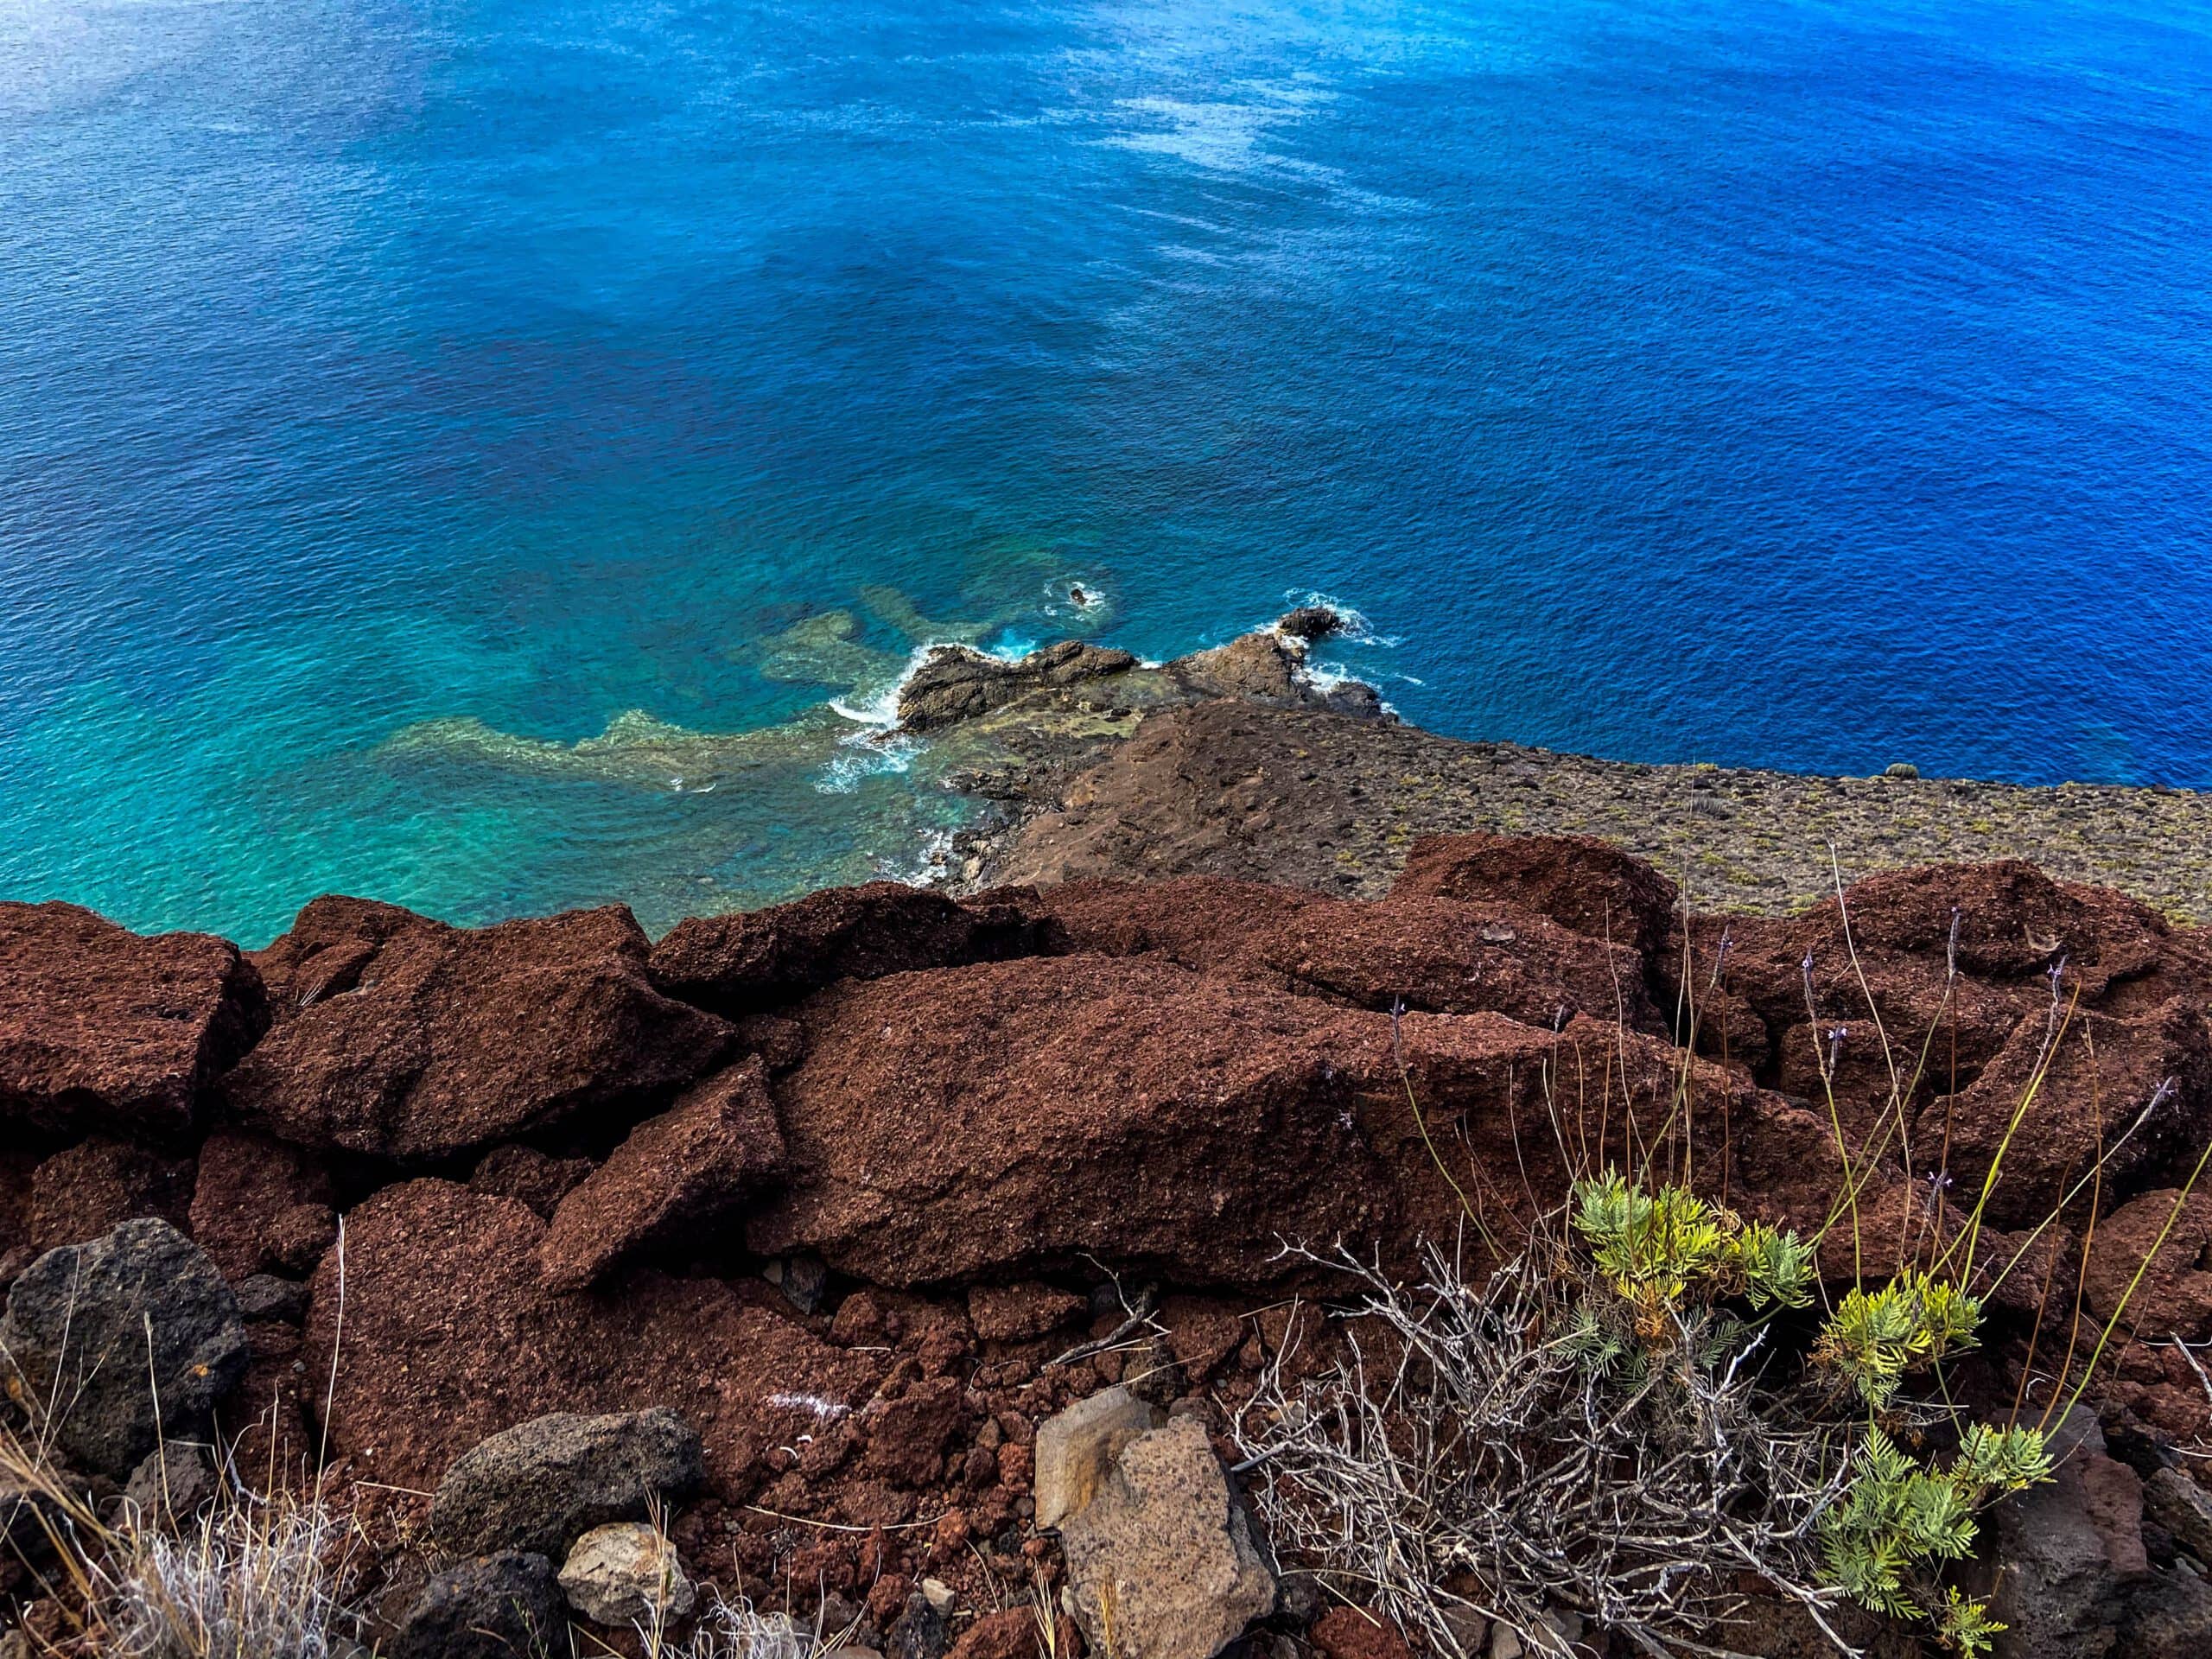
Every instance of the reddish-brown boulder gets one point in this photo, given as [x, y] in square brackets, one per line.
[449, 1336]
[331, 944]
[2082, 1087]
[426, 1041]
[678, 1174]
[83, 1191]
[1947, 980]
[2173, 1297]
[1019, 1313]
[1580, 881]
[988, 1119]
[736, 963]
[241, 1205]
[104, 1028]
[538, 1179]
[1438, 955]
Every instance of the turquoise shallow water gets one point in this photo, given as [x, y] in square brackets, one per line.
[1815, 385]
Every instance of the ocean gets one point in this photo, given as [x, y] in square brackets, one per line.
[394, 396]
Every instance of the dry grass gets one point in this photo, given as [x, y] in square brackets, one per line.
[1466, 1461]
[249, 1577]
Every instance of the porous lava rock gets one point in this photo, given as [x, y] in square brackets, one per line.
[537, 1179]
[101, 1028]
[1584, 884]
[413, 1040]
[543, 1484]
[2164, 1237]
[248, 1185]
[450, 1335]
[1020, 1311]
[136, 1330]
[486, 1607]
[82, 1191]
[737, 963]
[1443, 956]
[1925, 1004]
[987, 1120]
[1161, 1562]
[677, 1175]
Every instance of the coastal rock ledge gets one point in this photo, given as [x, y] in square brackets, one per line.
[845, 1200]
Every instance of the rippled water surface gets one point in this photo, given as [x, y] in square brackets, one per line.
[392, 395]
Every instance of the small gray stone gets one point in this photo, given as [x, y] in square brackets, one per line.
[626, 1573]
[1076, 1446]
[177, 1481]
[135, 1315]
[1163, 1558]
[805, 1280]
[939, 1596]
[920, 1633]
[502, 1606]
[541, 1484]
[265, 1296]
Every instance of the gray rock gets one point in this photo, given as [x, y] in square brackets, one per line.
[957, 683]
[502, 1606]
[109, 1326]
[1076, 1446]
[2183, 1507]
[1162, 1558]
[541, 1484]
[920, 1633]
[2167, 1616]
[265, 1296]
[177, 1481]
[626, 1573]
[1310, 622]
[2067, 1550]
[805, 1281]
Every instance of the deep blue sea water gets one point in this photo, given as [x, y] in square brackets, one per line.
[1804, 384]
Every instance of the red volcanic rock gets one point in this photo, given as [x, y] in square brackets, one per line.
[539, 1179]
[1580, 882]
[1349, 1633]
[2014, 922]
[82, 1193]
[736, 963]
[1010, 1633]
[450, 1336]
[331, 943]
[104, 1028]
[683, 1170]
[241, 1205]
[2086, 1081]
[1438, 955]
[1018, 1312]
[2174, 1296]
[985, 1119]
[422, 1041]
[1948, 979]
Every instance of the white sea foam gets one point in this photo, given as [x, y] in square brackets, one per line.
[873, 752]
